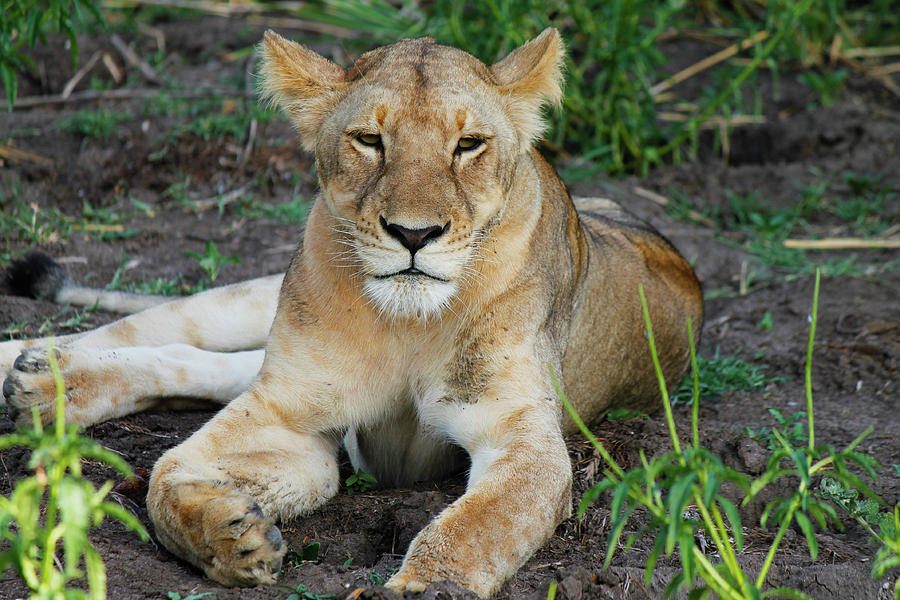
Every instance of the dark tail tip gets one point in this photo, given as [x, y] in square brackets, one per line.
[36, 275]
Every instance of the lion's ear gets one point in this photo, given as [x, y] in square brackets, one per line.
[529, 77]
[304, 84]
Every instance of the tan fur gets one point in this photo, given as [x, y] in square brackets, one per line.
[457, 354]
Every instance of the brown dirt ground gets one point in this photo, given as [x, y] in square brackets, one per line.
[857, 351]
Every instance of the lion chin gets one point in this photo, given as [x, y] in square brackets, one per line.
[410, 295]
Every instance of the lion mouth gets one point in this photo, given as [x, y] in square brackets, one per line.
[412, 273]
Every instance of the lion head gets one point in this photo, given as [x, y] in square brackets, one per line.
[417, 146]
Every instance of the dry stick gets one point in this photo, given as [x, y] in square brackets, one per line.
[216, 8]
[708, 62]
[248, 147]
[127, 94]
[134, 60]
[885, 70]
[871, 52]
[219, 200]
[16, 155]
[714, 122]
[113, 68]
[840, 244]
[663, 201]
[79, 75]
[303, 25]
[156, 34]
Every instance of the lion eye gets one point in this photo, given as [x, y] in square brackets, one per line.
[468, 143]
[369, 139]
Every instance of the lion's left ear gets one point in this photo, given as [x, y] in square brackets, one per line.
[306, 85]
[529, 77]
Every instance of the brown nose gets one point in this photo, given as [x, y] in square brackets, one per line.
[414, 239]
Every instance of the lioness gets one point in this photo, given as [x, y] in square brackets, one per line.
[444, 271]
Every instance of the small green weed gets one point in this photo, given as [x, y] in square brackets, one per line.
[211, 261]
[722, 375]
[96, 124]
[826, 85]
[177, 596]
[292, 211]
[217, 125]
[377, 578]
[360, 482]
[884, 527]
[621, 414]
[301, 592]
[58, 505]
[175, 286]
[308, 553]
[790, 428]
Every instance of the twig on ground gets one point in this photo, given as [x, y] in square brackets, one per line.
[219, 200]
[156, 33]
[128, 94]
[885, 70]
[216, 8]
[714, 122]
[136, 61]
[708, 62]
[663, 201]
[248, 147]
[111, 66]
[871, 52]
[16, 155]
[79, 74]
[303, 25]
[841, 244]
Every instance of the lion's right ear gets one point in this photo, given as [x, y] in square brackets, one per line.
[304, 84]
[530, 77]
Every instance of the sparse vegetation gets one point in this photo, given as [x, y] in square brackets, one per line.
[722, 375]
[97, 124]
[211, 261]
[57, 507]
[360, 482]
[682, 491]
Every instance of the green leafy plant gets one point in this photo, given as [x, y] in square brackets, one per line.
[212, 261]
[722, 375]
[691, 477]
[377, 578]
[24, 22]
[826, 85]
[301, 592]
[95, 124]
[360, 482]
[177, 596]
[308, 553]
[790, 428]
[884, 527]
[53, 509]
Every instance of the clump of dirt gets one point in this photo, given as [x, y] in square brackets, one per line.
[755, 310]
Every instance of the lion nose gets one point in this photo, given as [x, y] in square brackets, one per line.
[414, 239]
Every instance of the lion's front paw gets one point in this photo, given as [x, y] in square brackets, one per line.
[30, 384]
[246, 547]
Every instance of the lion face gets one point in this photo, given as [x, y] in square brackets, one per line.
[416, 148]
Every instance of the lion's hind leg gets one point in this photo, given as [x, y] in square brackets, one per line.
[109, 383]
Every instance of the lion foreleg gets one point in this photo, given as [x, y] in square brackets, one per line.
[214, 499]
[519, 490]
